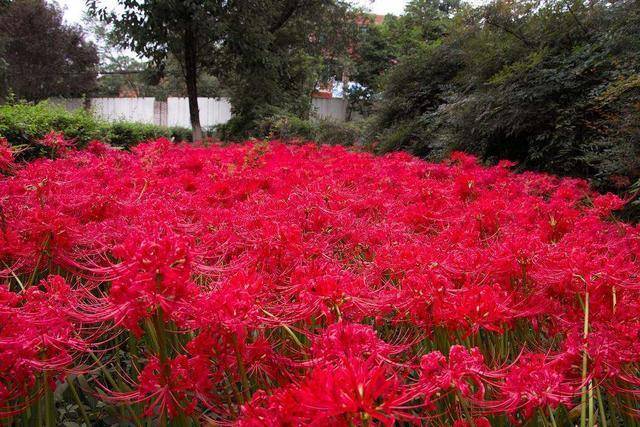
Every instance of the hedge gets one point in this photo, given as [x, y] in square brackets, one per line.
[24, 124]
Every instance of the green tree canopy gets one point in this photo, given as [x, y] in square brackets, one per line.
[266, 52]
[40, 56]
[552, 84]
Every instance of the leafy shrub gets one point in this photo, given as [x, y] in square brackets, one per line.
[25, 124]
[126, 134]
[184, 134]
[554, 88]
[287, 126]
[336, 133]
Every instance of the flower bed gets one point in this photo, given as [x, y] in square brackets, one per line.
[268, 284]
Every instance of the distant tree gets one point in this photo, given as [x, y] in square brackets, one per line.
[261, 48]
[550, 84]
[372, 54]
[190, 30]
[378, 47]
[123, 73]
[278, 51]
[40, 56]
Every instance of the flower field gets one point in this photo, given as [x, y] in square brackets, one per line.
[286, 285]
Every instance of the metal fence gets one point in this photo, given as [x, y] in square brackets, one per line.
[175, 111]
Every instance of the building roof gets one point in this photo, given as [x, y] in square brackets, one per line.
[369, 19]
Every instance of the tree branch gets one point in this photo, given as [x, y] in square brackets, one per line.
[291, 8]
[510, 31]
[575, 18]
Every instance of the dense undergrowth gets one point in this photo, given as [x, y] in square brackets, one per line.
[269, 284]
[24, 125]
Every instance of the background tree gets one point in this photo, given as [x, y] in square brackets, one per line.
[372, 54]
[122, 73]
[278, 52]
[41, 57]
[552, 85]
[263, 50]
[379, 46]
[190, 30]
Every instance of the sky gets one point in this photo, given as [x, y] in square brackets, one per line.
[74, 9]
[382, 7]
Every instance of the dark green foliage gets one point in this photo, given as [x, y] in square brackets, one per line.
[373, 54]
[41, 56]
[552, 85]
[285, 126]
[334, 133]
[277, 52]
[189, 31]
[290, 127]
[126, 134]
[269, 54]
[24, 124]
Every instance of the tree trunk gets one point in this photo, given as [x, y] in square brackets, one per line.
[191, 79]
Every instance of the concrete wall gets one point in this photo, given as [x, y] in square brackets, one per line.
[175, 111]
[140, 110]
[329, 109]
[213, 111]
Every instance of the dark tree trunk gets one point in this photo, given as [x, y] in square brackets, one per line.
[191, 79]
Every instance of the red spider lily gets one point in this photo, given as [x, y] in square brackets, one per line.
[156, 277]
[170, 388]
[233, 306]
[533, 383]
[477, 422]
[38, 335]
[323, 277]
[98, 148]
[342, 340]
[463, 372]
[354, 392]
[56, 142]
[279, 409]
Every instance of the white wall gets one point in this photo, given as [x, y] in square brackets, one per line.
[175, 112]
[329, 109]
[139, 110]
[213, 111]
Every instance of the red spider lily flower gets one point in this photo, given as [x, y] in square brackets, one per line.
[172, 387]
[355, 390]
[477, 422]
[309, 271]
[233, 306]
[533, 383]
[281, 408]
[98, 148]
[38, 334]
[342, 340]
[463, 372]
[605, 204]
[157, 276]
[56, 142]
